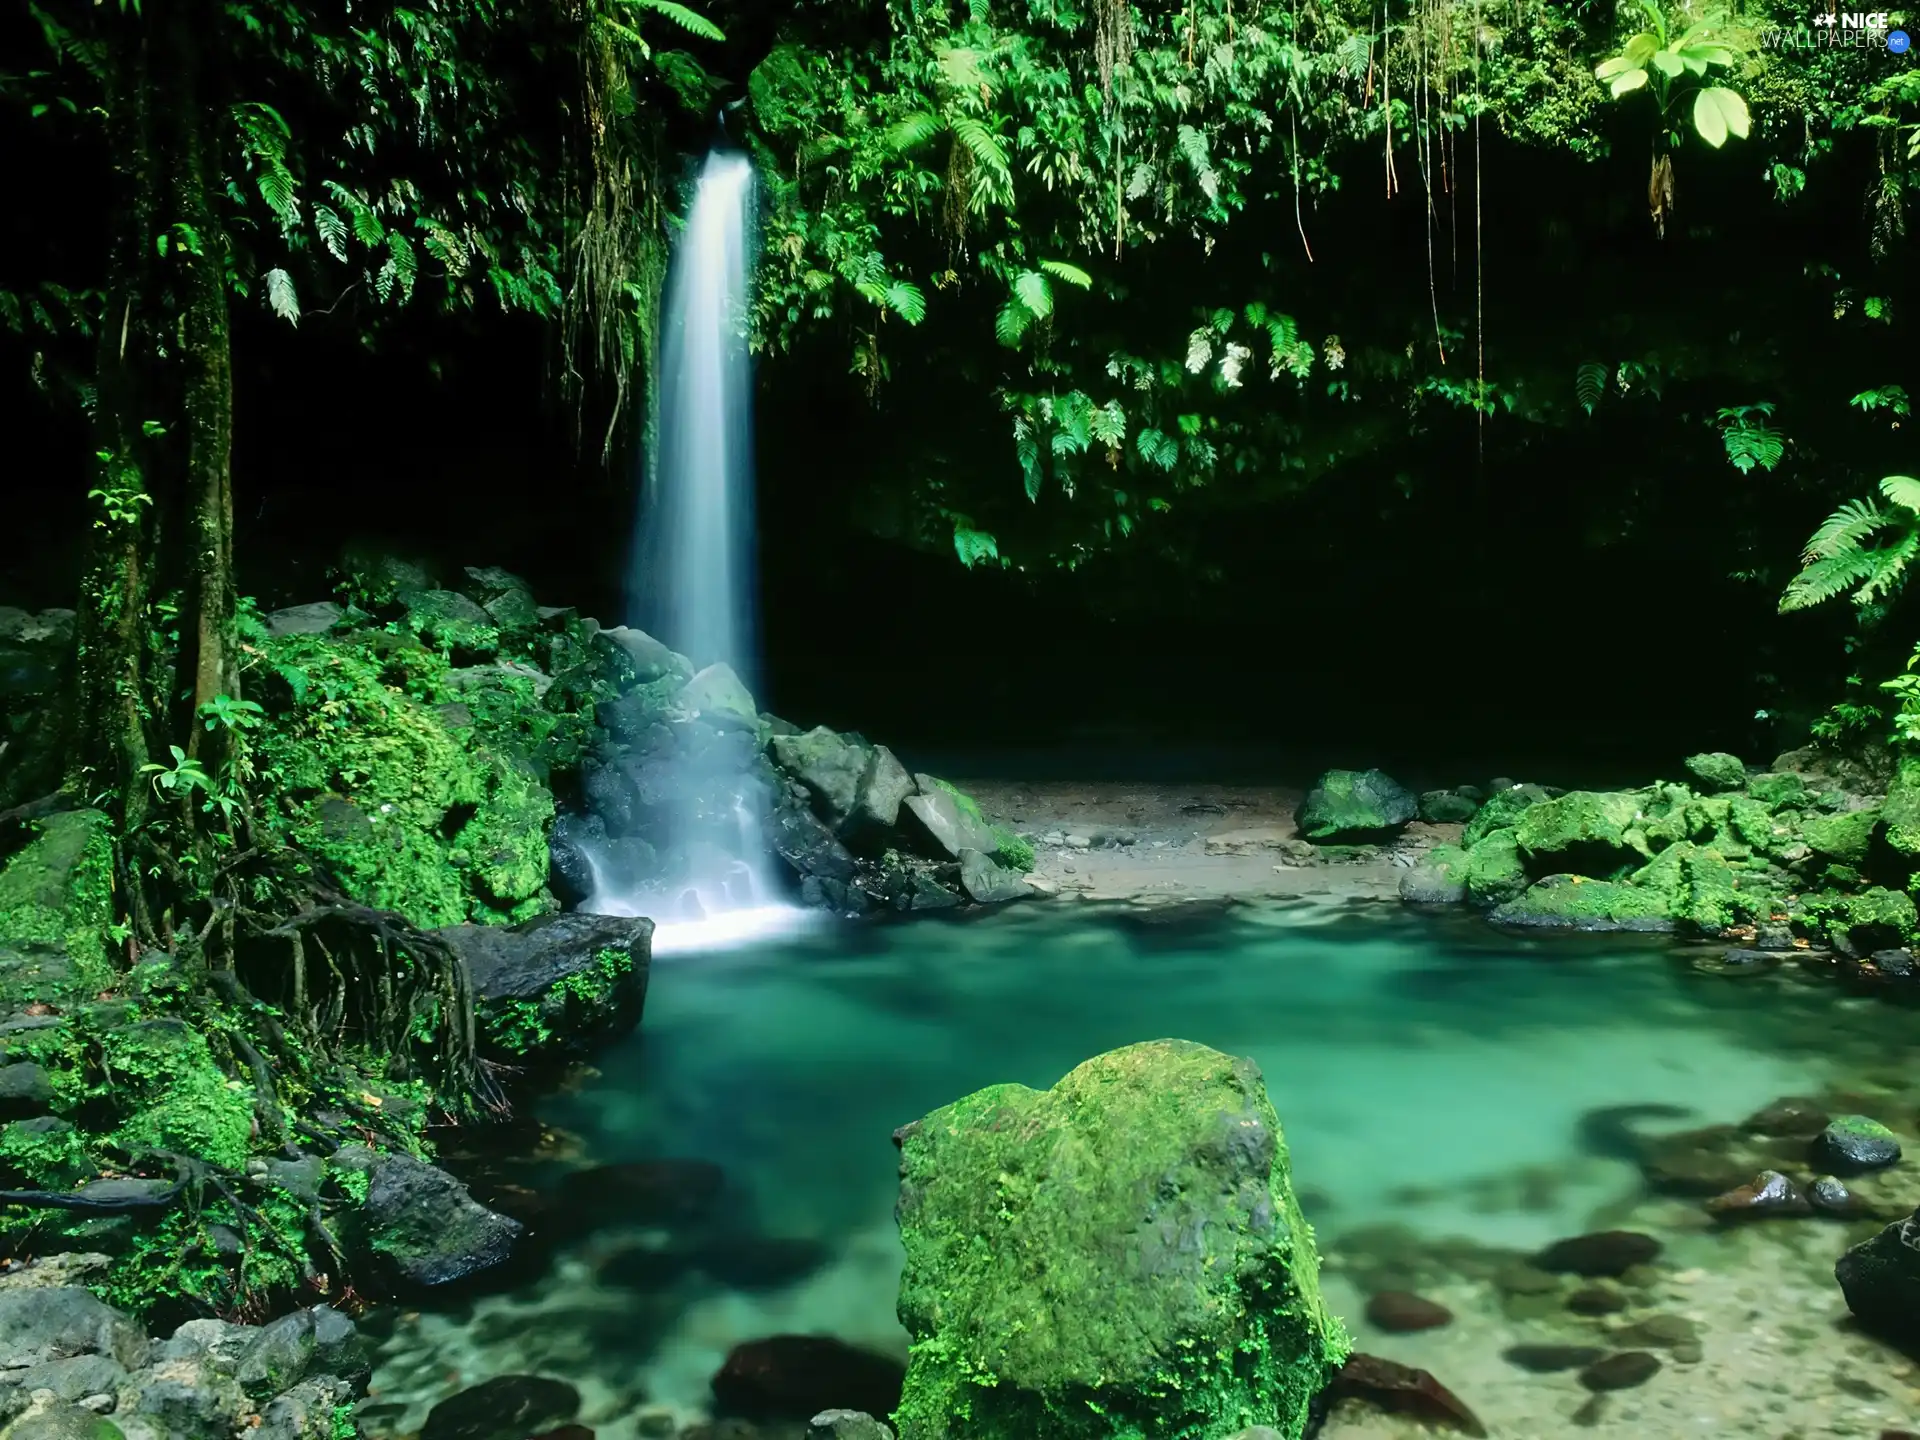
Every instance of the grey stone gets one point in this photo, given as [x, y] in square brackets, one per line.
[189, 1399]
[305, 1412]
[315, 619]
[1851, 1143]
[643, 658]
[717, 696]
[218, 1343]
[23, 1083]
[75, 1377]
[987, 883]
[41, 1324]
[846, 1425]
[423, 1225]
[883, 788]
[950, 827]
[299, 1178]
[279, 1356]
[62, 1421]
[831, 766]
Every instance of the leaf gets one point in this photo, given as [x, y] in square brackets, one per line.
[1193, 146]
[1589, 385]
[1011, 323]
[280, 297]
[1845, 529]
[1199, 350]
[1072, 274]
[912, 131]
[1717, 113]
[1628, 81]
[973, 546]
[688, 20]
[1034, 292]
[332, 231]
[906, 300]
[984, 146]
[1902, 490]
[1669, 64]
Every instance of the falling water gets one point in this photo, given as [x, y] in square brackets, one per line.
[694, 577]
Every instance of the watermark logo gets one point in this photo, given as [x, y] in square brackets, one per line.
[1859, 20]
[1842, 29]
[1898, 43]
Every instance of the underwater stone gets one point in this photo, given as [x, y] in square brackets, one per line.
[1624, 1371]
[1400, 1312]
[1853, 1143]
[1717, 770]
[1545, 1359]
[507, 1407]
[1352, 805]
[1439, 879]
[1602, 1253]
[1154, 1177]
[1446, 807]
[795, 1377]
[1392, 1386]
[1881, 1279]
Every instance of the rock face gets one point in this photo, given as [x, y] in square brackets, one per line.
[1439, 879]
[559, 984]
[1355, 805]
[1573, 902]
[421, 1223]
[1881, 1279]
[1154, 1177]
[36, 657]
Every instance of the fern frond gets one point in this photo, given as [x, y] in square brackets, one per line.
[280, 297]
[1034, 293]
[984, 146]
[1827, 577]
[332, 231]
[1902, 490]
[1199, 350]
[960, 68]
[1845, 530]
[906, 300]
[1889, 568]
[1589, 385]
[1072, 274]
[912, 132]
[691, 21]
[1010, 325]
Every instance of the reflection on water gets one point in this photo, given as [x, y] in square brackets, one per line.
[1429, 1073]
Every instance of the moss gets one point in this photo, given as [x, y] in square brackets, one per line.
[1578, 903]
[1718, 770]
[1778, 790]
[345, 1427]
[968, 805]
[1494, 872]
[178, 1098]
[1846, 837]
[1901, 809]
[45, 1155]
[1154, 1178]
[1584, 831]
[58, 891]
[1875, 919]
[1013, 851]
[1501, 810]
[442, 823]
[576, 1005]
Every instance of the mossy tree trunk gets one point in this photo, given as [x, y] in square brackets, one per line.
[161, 551]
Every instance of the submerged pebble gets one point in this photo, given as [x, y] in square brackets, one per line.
[1661, 1331]
[1546, 1359]
[1401, 1311]
[1768, 1194]
[1603, 1253]
[1592, 1410]
[1831, 1196]
[1622, 1371]
[1791, 1116]
[1597, 1300]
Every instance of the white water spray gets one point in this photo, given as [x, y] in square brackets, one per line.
[694, 578]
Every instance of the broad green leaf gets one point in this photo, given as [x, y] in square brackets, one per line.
[1669, 64]
[1902, 490]
[1628, 81]
[1034, 292]
[1011, 323]
[1717, 113]
[1072, 274]
[280, 296]
[905, 300]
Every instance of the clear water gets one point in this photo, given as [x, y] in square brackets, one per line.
[1428, 1072]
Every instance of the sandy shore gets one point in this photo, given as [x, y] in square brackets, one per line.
[1167, 843]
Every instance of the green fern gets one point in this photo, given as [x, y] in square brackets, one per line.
[1589, 385]
[1839, 560]
[1072, 274]
[1034, 292]
[280, 297]
[691, 21]
[1010, 325]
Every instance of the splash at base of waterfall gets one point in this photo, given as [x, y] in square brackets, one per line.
[723, 902]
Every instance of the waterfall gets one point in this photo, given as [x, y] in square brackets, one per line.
[694, 589]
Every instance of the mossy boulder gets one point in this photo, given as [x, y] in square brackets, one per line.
[1881, 1279]
[1778, 790]
[1876, 919]
[1717, 770]
[1574, 902]
[417, 1223]
[1705, 891]
[558, 984]
[450, 622]
[56, 902]
[1901, 810]
[1439, 879]
[1502, 807]
[1447, 807]
[1119, 1255]
[1846, 837]
[1495, 873]
[1355, 805]
[1583, 832]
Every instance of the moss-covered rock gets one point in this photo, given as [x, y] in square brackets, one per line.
[56, 903]
[1583, 832]
[1778, 790]
[1901, 810]
[1876, 919]
[1447, 807]
[1121, 1255]
[450, 622]
[1717, 770]
[1846, 837]
[1354, 805]
[1501, 809]
[556, 985]
[1574, 902]
[1439, 879]
[1495, 873]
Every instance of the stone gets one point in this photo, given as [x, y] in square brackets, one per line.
[846, 1425]
[1900, 812]
[1846, 837]
[1603, 1253]
[1778, 789]
[38, 1324]
[1830, 1196]
[1790, 1117]
[882, 790]
[421, 1223]
[1400, 1311]
[450, 620]
[1495, 875]
[315, 619]
[1850, 1144]
[75, 1377]
[1403, 1389]
[831, 766]
[717, 696]
[1154, 1177]
[1768, 1194]
[507, 1407]
[24, 1088]
[643, 1192]
[1574, 902]
[949, 825]
[808, 846]
[1584, 832]
[1440, 878]
[795, 1377]
[557, 984]
[1543, 1359]
[1876, 919]
[58, 1420]
[308, 1411]
[1252, 841]
[1525, 1280]
[1504, 805]
[635, 657]
[1355, 805]
[1623, 1371]
[1661, 1332]
[1716, 770]
[1446, 807]
[1598, 1298]
[987, 883]
[279, 1356]
[56, 902]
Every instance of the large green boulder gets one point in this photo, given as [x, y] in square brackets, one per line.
[1439, 879]
[56, 901]
[1573, 902]
[1717, 770]
[1583, 832]
[1901, 809]
[1119, 1256]
[1502, 808]
[1846, 837]
[1494, 872]
[1346, 805]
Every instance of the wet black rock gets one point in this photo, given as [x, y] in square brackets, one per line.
[761, 1262]
[1597, 1299]
[846, 1425]
[1768, 1194]
[1790, 1117]
[569, 847]
[1603, 1253]
[1854, 1143]
[1390, 1385]
[1546, 1359]
[1619, 1372]
[795, 1377]
[1401, 1312]
[580, 978]
[420, 1223]
[508, 1407]
[1830, 1196]
[1881, 1279]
